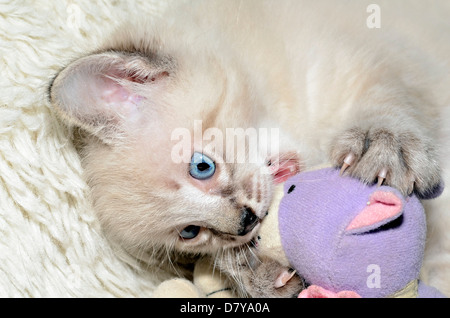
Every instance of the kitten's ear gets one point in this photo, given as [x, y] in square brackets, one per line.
[102, 92]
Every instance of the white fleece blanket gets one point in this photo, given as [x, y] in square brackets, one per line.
[50, 243]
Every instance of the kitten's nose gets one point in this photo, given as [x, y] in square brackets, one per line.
[248, 221]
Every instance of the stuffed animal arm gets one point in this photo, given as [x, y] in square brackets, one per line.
[206, 283]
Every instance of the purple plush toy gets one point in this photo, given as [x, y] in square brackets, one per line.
[347, 239]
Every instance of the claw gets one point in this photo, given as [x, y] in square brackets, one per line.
[382, 176]
[411, 188]
[380, 181]
[344, 167]
[284, 277]
[347, 162]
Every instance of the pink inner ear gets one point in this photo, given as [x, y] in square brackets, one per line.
[382, 206]
[118, 97]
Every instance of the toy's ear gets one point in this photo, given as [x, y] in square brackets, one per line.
[382, 208]
[101, 92]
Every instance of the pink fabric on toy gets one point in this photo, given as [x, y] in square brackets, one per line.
[382, 206]
[315, 291]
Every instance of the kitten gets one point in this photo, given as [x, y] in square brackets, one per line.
[335, 90]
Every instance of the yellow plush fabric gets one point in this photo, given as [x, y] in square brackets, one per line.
[270, 240]
[207, 283]
[177, 288]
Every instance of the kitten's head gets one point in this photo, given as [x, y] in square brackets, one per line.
[161, 146]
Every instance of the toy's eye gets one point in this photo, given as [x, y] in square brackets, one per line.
[291, 188]
[190, 232]
[202, 167]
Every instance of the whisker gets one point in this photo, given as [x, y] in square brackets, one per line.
[253, 253]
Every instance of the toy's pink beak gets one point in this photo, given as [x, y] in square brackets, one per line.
[382, 208]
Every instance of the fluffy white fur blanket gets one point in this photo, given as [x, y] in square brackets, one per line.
[50, 242]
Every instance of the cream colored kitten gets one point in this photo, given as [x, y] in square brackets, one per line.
[340, 81]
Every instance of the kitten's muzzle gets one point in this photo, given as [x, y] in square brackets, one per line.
[248, 221]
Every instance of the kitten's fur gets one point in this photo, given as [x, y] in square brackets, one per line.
[312, 68]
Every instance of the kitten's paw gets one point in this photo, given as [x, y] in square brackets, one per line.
[402, 160]
[272, 280]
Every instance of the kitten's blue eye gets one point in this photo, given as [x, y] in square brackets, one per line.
[190, 232]
[202, 167]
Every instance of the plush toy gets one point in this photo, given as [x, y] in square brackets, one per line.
[207, 283]
[347, 239]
